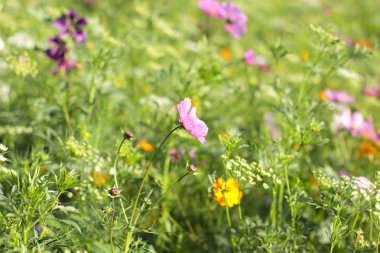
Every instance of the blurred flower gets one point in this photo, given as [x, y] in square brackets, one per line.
[368, 149]
[114, 191]
[269, 121]
[21, 40]
[262, 63]
[177, 155]
[250, 57]
[227, 192]
[3, 148]
[2, 45]
[236, 20]
[71, 24]
[212, 8]
[191, 168]
[145, 145]
[190, 121]
[305, 55]
[225, 53]
[38, 227]
[128, 135]
[98, 178]
[373, 92]
[336, 96]
[363, 183]
[363, 43]
[59, 54]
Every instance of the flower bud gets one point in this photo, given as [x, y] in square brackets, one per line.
[127, 134]
[191, 168]
[114, 191]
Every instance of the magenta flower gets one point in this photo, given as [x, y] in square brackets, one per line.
[71, 24]
[236, 20]
[190, 121]
[337, 96]
[60, 55]
[250, 57]
[371, 91]
[212, 8]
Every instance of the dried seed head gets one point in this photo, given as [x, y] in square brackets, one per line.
[114, 191]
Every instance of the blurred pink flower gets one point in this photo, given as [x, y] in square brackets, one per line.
[269, 121]
[212, 8]
[190, 121]
[177, 155]
[337, 96]
[250, 57]
[236, 20]
[363, 183]
[371, 91]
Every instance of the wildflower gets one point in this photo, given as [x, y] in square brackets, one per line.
[269, 122]
[336, 96]
[250, 57]
[38, 227]
[363, 183]
[236, 20]
[190, 121]
[145, 145]
[305, 55]
[371, 91]
[191, 168]
[212, 8]
[227, 192]
[59, 54]
[70, 24]
[367, 149]
[262, 63]
[114, 191]
[3, 148]
[177, 155]
[3, 159]
[128, 135]
[225, 53]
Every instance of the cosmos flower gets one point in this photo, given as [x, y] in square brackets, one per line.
[177, 155]
[227, 192]
[71, 24]
[236, 20]
[336, 96]
[212, 8]
[190, 122]
[250, 57]
[372, 92]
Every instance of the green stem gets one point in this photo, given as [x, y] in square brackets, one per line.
[290, 204]
[112, 224]
[66, 106]
[229, 225]
[273, 211]
[131, 229]
[115, 177]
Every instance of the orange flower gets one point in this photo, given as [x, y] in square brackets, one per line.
[98, 177]
[227, 192]
[322, 95]
[145, 145]
[225, 53]
[368, 149]
[305, 55]
[363, 43]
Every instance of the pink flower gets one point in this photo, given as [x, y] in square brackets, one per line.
[236, 20]
[371, 91]
[363, 183]
[250, 57]
[212, 8]
[190, 121]
[337, 96]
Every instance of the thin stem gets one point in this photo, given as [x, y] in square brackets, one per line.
[66, 106]
[290, 204]
[112, 224]
[130, 231]
[165, 194]
[229, 225]
[273, 211]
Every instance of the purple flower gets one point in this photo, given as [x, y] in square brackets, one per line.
[190, 122]
[59, 54]
[371, 91]
[212, 8]
[337, 96]
[363, 183]
[71, 24]
[236, 20]
[177, 155]
[250, 57]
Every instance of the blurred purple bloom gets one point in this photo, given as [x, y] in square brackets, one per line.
[212, 8]
[363, 183]
[59, 54]
[338, 96]
[371, 91]
[236, 20]
[269, 121]
[250, 57]
[177, 155]
[71, 24]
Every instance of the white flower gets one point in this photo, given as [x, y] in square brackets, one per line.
[3, 159]
[3, 148]
[2, 45]
[21, 40]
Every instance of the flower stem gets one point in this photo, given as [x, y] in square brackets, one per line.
[230, 226]
[131, 224]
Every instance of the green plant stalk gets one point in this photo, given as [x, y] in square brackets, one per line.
[273, 211]
[229, 225]
[290, 205]
[112, 224]
[66, 106]
[115, 177]
[132, 222]
[165, 194]
[280, 203]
